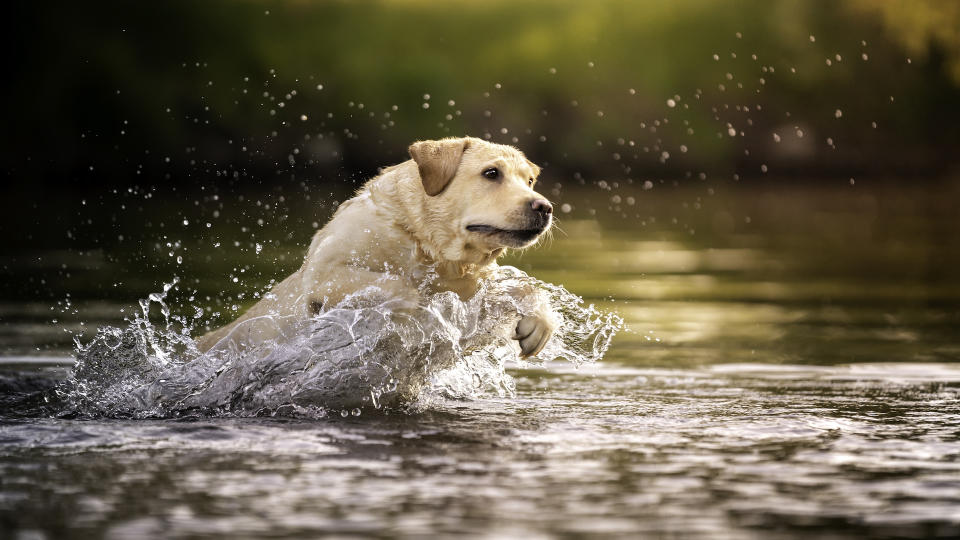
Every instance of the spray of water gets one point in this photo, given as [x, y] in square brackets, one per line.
[367, 352]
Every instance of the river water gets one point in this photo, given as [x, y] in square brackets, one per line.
[788, 368]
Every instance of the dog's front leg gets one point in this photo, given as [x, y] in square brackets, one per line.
[533, 332]
[538, 320]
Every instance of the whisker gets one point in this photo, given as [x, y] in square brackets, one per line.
[557, 227]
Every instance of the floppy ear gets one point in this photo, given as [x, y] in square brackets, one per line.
[536, 170]
[438, 162]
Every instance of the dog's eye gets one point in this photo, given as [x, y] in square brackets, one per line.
[492, 173]
[530, 182]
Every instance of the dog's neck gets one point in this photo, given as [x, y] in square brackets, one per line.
[454, 269]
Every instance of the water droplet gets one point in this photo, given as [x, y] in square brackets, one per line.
[671, 103]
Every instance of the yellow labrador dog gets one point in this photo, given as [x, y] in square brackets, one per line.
[434, 223]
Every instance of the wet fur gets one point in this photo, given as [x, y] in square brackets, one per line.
[405, 232]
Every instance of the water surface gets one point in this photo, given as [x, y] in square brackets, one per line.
[789, 371]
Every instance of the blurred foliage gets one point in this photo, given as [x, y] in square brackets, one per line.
[921, 25]
[245, 92]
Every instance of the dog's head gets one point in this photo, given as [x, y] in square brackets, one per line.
[483, 191]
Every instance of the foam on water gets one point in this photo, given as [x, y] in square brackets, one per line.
[365, 352]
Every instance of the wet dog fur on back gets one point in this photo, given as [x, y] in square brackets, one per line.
[436, 222]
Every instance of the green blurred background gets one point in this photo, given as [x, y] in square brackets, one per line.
[207, 140]
[113, 93]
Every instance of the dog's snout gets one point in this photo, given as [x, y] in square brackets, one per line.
[541, 206]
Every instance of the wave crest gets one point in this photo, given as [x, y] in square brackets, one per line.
[365, 352]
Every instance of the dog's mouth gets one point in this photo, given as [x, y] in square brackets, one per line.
[514, 237]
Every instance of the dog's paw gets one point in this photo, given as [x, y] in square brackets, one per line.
[533, 332]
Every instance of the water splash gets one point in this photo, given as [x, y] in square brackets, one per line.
[364, 352]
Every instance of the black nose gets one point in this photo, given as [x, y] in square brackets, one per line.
[541, 206]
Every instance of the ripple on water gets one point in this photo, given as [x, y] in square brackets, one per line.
[719, 452]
